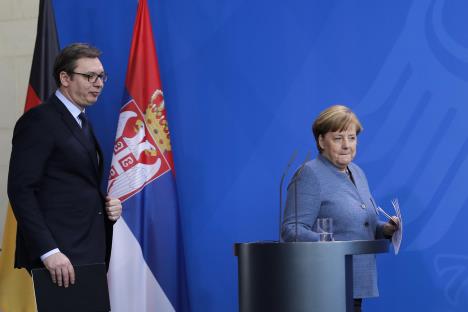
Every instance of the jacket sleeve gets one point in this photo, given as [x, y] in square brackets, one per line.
[303, 195]
[32, 145]
[379, 230]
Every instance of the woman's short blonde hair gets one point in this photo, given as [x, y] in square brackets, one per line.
[334, 118]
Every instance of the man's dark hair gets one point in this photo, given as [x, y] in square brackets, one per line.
[66, 60]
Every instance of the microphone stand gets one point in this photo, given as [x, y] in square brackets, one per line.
[291, 159]
[294, 180]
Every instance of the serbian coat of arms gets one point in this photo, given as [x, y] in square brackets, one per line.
[140, 149]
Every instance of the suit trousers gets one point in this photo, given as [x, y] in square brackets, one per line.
[357, 305]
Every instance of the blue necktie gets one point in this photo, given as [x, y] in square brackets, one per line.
[88, 134]
[86, 128]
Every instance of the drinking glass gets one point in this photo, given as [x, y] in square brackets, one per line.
[324, 227]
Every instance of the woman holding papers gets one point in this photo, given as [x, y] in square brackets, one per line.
[332, 186]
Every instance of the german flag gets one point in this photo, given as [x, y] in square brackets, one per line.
[16, 291]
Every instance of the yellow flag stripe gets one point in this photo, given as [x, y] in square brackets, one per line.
[16, 289]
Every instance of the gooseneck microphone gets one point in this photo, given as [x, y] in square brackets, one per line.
[291, 159]
[294, 180]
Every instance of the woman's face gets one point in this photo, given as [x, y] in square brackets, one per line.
[340, 146]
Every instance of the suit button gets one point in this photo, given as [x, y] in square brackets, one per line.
[363, 206]
[366, 224]
[100, 213]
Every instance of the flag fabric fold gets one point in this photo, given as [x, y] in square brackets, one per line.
[16, 292]
[147, 266]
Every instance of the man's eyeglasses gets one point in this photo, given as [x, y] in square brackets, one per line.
[93, 77]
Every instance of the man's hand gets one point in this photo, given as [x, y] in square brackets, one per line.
[60, 268]
[113, 208]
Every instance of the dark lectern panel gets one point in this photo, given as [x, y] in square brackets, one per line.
[299, 276]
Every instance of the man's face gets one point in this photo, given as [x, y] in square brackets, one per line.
[76, 87]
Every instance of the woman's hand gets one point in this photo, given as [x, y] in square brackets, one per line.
[391, 226]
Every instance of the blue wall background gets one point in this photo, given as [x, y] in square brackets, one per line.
[243, 81]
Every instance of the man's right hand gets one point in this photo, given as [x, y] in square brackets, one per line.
[60, 268]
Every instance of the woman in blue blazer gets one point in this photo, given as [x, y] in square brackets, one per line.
[332, 186]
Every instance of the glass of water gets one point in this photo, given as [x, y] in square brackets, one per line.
[324, 228]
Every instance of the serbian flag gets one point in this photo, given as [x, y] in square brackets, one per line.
[16, 291]
[146, 271]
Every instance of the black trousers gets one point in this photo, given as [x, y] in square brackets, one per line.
[358, 305]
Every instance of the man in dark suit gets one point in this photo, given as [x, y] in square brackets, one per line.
[55, 172]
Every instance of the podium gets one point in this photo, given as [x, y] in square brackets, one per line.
[299, 276]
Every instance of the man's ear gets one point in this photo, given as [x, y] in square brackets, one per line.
[64, 79]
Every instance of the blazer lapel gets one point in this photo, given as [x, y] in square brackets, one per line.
[99, 155]
[355, 187]
[70, 122]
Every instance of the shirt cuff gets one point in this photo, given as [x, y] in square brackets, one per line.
[49, 253]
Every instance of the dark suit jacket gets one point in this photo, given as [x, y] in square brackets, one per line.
[54, 189]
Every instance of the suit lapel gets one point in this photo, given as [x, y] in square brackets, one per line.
[357, 182]
[356, 187]
[99, 155]
[70, 122]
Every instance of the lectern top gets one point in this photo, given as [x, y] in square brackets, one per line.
[355, 247]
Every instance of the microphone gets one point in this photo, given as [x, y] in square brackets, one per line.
[291, 159]
[293, 180]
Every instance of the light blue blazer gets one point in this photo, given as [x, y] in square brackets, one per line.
[322, 191]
